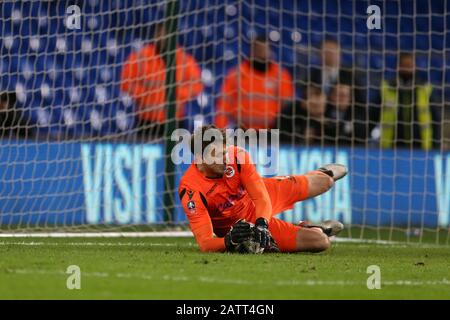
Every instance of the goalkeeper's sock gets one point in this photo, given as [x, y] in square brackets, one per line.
[320, 172]
[316, 172]
[329, 227]
[334, 170]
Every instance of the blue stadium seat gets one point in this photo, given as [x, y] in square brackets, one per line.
[45, 113]
[437, 42]
[317, 7]
[391, 42]
[347, 59]
[361, 42]
[122, 117]
[436, 77]
[376, 62]
[345, 24]
[362, 61]
[6, 8]
[346, 40]
[407, 25]
[376, 40]
[407, 42]
[391, 62]
[422, 62]
[422, 23]
[391, 25]
[437, 23]
[422, 42]
[332, 25]
[346, 7]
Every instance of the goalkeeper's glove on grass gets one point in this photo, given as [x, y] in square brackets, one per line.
[262, 233]
[239, 232]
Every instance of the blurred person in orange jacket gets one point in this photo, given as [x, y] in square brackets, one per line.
[254, 92]
[144, 79]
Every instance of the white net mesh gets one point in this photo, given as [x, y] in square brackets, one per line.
[84, 107]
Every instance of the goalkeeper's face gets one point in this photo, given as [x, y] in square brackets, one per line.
[215, 159]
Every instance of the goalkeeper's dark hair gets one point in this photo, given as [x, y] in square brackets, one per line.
[199, 133]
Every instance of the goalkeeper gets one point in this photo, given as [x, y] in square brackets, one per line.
[229, 199]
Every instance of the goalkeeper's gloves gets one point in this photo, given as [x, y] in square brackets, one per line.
[262, 233]
[239, 232]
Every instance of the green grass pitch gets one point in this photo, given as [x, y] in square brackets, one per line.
[173, 268]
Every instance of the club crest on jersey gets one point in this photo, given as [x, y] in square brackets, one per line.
[229, 172]
[191, 206]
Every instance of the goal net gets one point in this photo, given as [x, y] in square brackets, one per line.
[91, 92]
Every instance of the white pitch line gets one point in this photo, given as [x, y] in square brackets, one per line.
[97, 234]
[360, 243]
[188, 234]
[203, 279]
[386, 243]
[96, 244]
[358, 240]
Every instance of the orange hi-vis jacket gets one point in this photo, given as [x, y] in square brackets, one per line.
[214, 205]
[256, 95]
[144, 76]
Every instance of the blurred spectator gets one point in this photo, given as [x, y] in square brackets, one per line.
[345, 120]
[407, 110]
[144, 76]
[350, 125]
[253, 93]
[304, 123]
[329, 71]
[339, 115]
[12, 124]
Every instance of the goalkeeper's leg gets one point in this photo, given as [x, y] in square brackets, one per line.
[312, 240]
[285, 191]
[295, 238]
[322, 179]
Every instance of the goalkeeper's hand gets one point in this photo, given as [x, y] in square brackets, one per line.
[261, 233]
[239, 232]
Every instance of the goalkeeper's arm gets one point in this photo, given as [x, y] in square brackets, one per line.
[202, 228]
[239, 232]
[206, 240]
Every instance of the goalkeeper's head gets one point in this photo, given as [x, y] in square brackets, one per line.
[208, 145]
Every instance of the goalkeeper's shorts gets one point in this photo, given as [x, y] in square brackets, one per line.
[285, 234]
[284, 192]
